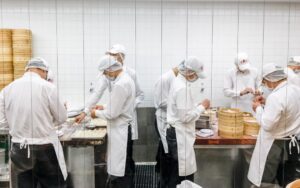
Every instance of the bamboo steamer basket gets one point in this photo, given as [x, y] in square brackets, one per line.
[21, 58]
[251, 126]
[5, 35]
[230, 123]
[6, 78]
[22, 51]
[21, 32]
[6, 58]
[6, 51]
[6, 68]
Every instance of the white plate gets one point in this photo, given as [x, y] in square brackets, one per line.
[207, 131]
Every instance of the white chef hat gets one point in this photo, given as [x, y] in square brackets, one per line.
[116, 49]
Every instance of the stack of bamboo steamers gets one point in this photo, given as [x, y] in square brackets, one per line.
[6, 58]
[234, 124]
[15, 51]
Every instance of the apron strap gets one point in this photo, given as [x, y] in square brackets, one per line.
[24, 145]
[293, 143]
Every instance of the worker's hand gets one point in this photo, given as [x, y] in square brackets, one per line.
[93, 113]
[246, 91]
[260, 99]
[255, 104]
[80, 117]
[99, 107]
[205, 103]
[257, 92]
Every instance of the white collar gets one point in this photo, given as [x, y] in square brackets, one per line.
[281, 85]
[27, 74]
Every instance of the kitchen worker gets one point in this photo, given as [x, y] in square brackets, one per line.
[279, 117]
[30, 108]
[118, 51]
[241, 83]
[119, 114]
[161, 93]
[182, 113]
[293, 70]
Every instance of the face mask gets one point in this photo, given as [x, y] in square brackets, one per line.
[267, 91]
[110, 78]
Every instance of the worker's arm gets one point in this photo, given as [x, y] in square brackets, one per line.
[228, 85]
[3, 120]
[139, 94]
[57, 108]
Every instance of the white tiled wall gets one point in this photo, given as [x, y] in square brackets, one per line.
[73, 36]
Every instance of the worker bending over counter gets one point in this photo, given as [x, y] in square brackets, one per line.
[276, 155]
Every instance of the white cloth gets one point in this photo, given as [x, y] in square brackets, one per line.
[161, 93]
[103, 84]
[188, 184]
[279, 119]
[235, 82]
[118, 113]
[30, 107]
[182, 113]
[293, 78]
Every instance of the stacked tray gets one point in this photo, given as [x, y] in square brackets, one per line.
[251, 126]
[22, 50]
[6, 58]
[230, 122]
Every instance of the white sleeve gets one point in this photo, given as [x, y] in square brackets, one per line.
[271, 114]
[115, 104]
[228, 85]
[96, 96]
[186, 111]
[3, 120]
[160, 96]
[139, 94]
[57, 108]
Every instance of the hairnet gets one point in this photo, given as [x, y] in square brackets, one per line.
[191, 66]
[273, 73]
[37, 62]
[109, 63]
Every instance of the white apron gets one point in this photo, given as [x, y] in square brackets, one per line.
[161, 119]
[134, 126]
[188, 184]
[185, 136]
[117, 136]
[261, 151]
[52, 139]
